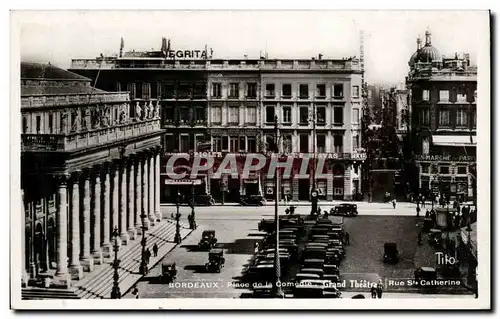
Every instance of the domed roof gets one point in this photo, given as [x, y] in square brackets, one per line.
[413, 58]
[428, 54]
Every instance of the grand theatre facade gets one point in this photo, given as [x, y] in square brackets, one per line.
[90, 164]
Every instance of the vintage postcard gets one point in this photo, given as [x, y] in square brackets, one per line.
[250, 160]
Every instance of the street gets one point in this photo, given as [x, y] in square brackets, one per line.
[236, 231]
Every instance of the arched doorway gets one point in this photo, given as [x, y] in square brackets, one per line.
[51, 242]
[338, 181]
[38, 246]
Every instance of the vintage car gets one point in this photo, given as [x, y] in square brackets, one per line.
[313, 263]
[252, 200]
[263, 272]
[315, 271]
[168, 272]
[264, 290]
[314, 253]
[305, 276]
[208, 240]
[267, 225]
[391, 253]
[346, 210]
[215, 260]
[324, 221]
[424, 277]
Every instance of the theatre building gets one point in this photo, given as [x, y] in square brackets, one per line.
[227, 106]
[443, 121]
[89, 165]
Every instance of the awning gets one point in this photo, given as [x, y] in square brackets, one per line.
[453, 140]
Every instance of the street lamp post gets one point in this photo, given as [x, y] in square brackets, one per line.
[177, 238]
[278, 293]
[314, 205]
[192, 220]
[144, 266]
[115, 292]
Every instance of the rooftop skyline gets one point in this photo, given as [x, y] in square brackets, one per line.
[389, 36]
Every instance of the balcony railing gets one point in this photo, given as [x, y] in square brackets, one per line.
[80, 140]
[214, 65]
[73, 99]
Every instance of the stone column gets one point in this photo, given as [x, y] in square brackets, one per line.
[106, 195]
[24, 274]
[86, 259]
[151, 189]
[138, 195]
[123, 202]
[115, 213]
[96, 215]
[131, 200]
[76, 268]
[144, 180]
[62, 277]
[157, 186]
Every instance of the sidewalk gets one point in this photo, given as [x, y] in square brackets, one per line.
[306, 203]
[98, 284]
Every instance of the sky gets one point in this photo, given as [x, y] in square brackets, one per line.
[389, 36]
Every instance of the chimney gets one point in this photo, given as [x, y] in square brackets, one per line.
[419, 43]
[320, 56]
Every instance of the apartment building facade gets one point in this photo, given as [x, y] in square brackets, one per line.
[317, 104]
[443, 119]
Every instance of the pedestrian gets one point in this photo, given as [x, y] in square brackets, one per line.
[394, 203]
[256, 247]
[427, 213]
[155, 250]
[347, 238]
[422, 200]
[418, 210]
[373, 291]
[419, 238]
[379, 289]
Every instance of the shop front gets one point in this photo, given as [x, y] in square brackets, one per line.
[182, 190]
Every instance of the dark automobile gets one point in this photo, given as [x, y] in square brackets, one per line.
[267, 225]
[215, 260]
[252, 200]
[346, 210]
[391, 253]
[208, 240]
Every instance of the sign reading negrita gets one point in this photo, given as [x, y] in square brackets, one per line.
[187, 54]
[255, 162]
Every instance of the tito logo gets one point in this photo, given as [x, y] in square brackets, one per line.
[444, 259]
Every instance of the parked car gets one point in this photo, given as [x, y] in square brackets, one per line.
[346, 210]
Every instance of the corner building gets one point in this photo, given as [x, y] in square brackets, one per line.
[443, 121]
[229, 106]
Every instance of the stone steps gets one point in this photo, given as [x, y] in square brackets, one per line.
[99, 283]
[47, 293]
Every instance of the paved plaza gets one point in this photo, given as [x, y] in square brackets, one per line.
[236, 231]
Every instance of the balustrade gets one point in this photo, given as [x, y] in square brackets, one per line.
[78, 140]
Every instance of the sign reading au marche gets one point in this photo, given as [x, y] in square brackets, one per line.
[442, 158]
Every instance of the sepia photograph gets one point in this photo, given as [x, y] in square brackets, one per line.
[250, 159]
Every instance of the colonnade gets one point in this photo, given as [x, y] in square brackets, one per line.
[92, 202]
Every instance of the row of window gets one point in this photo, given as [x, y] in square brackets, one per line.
[237, 143]
[187, 91]
[445, 117]
[443, 169]
[305, 116]
[184, 115]
[444, 96]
